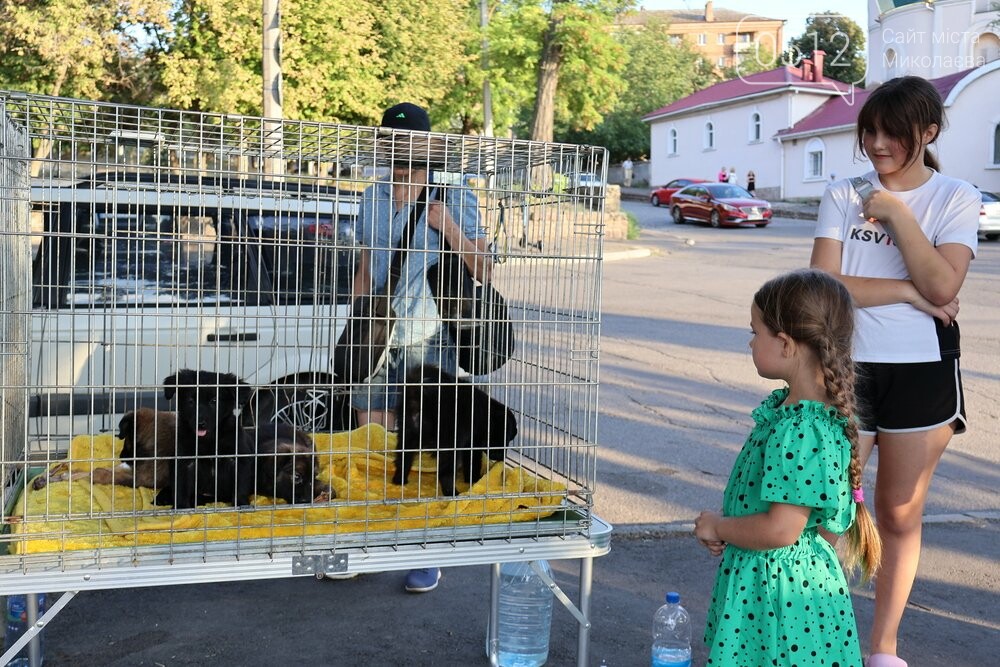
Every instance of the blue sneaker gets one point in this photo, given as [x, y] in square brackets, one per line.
[423, 580]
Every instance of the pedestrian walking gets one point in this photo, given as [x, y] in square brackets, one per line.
[627, 172]
[751, 182]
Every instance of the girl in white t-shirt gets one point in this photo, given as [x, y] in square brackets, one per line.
[903, 250]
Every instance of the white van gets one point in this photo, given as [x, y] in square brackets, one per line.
[138, 275]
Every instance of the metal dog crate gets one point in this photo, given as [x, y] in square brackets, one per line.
[140, 241]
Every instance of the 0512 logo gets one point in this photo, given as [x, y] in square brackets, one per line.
[755, 51]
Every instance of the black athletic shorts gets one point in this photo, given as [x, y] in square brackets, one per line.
[905, 398]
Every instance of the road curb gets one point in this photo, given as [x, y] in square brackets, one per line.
[647, 530]
[628, 253]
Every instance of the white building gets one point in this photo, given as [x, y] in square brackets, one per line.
[930, 38]
[796, 131]
[734, 124]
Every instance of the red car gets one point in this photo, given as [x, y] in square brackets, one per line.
[719, 204]
[662, 195]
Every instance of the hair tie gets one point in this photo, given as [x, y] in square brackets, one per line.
[858, 494]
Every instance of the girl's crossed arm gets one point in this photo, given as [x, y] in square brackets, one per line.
[780, 526]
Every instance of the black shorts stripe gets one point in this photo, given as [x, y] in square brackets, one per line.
[909, 397]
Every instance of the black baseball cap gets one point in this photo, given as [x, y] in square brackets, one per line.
[406, 116]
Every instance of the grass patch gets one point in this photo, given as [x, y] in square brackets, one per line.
[634, 230]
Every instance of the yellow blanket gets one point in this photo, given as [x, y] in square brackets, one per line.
[358, 465]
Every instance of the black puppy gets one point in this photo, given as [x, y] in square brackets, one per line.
[214, 453]
[454, 420]
[286, 466]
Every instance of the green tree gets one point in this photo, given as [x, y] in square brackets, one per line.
[578, 67]
[512, 35]
[340, 61]
[659, 70]
[840, 38]
[75, 48]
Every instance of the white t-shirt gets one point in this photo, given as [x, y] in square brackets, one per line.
[947, 210]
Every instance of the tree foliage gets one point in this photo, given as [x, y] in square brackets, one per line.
[840, 38]
[346, 61]
[76, 48]
[340, 61]
[512, 37]
[577, 77]
[658, 70]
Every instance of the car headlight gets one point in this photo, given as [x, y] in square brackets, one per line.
[731, 209]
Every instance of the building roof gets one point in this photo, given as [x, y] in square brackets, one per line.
[842, 110]
[752, 85]
[721, 15]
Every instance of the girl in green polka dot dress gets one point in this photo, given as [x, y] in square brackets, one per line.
[780, 596]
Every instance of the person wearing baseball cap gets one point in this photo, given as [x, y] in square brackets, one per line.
[406, 116]
[450, 214]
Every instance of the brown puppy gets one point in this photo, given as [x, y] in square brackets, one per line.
[150, 438]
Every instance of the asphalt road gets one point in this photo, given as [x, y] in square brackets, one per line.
[678, 384]
[677, 387]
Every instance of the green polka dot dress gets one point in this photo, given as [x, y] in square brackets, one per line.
[787, 606]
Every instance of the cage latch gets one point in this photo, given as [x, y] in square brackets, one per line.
[319, 565]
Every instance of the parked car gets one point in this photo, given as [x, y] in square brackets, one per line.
[661, 195]
[585, 179]
[989, 216]
[719, 204]
[588, 188]
[137, 276]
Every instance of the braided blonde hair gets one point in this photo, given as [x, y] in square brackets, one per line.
[815, 309]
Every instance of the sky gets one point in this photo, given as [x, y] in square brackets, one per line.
[794, 12]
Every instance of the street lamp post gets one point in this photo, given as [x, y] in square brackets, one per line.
[484, 21]
[271, 139]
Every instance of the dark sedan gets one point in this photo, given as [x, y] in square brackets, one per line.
[661, 195]
[720, 205]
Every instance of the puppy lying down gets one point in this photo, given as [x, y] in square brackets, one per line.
[150, 440]
[285, 460]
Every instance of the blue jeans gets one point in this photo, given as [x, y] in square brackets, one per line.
[382, 391]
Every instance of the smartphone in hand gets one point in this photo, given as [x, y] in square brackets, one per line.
[864, 188]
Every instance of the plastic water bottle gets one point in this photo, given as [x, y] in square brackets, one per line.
[17, 624]
[525, 619]
[672, 634]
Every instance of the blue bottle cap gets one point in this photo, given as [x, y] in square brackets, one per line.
[673, 598]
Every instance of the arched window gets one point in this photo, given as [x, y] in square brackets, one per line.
[814, 159]
[754, 127]
[996, 144]
[709, 136]
[890, 61]
[672, 142]
[987, 49]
